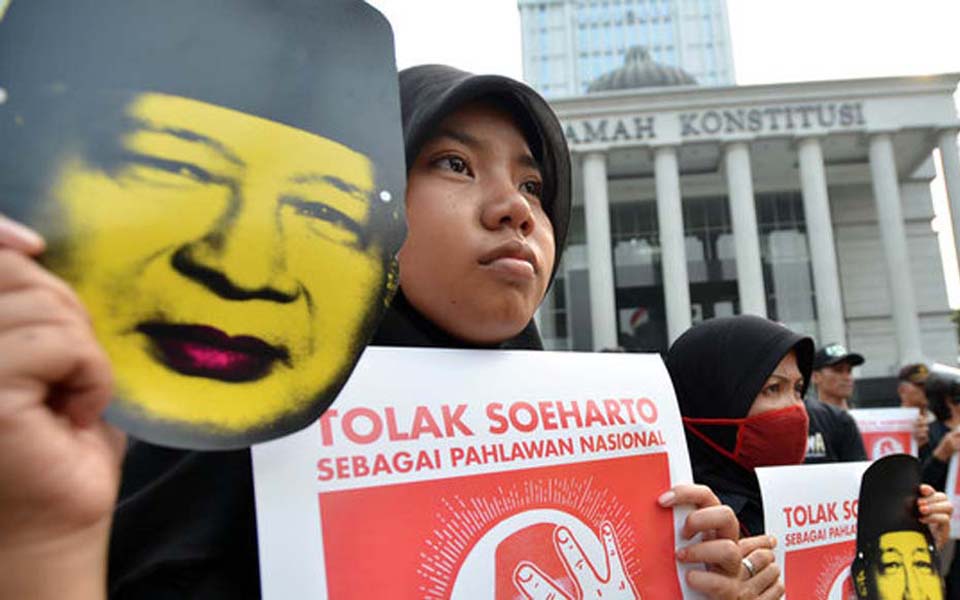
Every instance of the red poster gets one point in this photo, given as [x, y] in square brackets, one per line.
[512, 516]
[887, 431]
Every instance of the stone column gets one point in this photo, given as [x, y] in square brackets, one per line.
[673, 254]
[743, 215]
[823, 254]
[950, 161]
[886, 192]
[603, 306]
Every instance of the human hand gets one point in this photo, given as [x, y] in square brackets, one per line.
[921, 431]
[763, 582]
[719, 550]
[935, 511]
[17, 237]
[613, 584]
[59, 462]
[948, 446]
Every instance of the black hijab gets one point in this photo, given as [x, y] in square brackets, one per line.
[430, 93]
[718, 367]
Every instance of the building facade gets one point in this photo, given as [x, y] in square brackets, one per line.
[567, 44]
[808, 203]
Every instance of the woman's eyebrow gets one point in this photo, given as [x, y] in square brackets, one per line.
[527, 160]
[191, 136]
[458, 136]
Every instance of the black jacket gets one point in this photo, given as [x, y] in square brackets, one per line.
[834, 435]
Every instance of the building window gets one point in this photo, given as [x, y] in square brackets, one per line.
[787, 274]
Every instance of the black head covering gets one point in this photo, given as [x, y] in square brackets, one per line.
[430, 93]
[718, 367]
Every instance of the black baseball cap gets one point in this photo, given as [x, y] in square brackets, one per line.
[833, 354]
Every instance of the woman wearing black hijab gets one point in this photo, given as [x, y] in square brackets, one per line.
[740, 383]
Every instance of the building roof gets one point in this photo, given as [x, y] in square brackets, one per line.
[639, 70]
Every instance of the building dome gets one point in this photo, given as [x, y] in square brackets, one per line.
[640, 71]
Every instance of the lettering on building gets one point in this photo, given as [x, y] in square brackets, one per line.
[610, 130]
[772, 119]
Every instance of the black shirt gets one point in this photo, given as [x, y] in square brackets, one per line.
[833, 435]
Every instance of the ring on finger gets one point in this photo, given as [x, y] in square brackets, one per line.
[748, 565]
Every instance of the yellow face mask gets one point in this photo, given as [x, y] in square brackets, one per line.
[906, 568]
[227, 264]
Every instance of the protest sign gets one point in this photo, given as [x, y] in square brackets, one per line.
[953, 492]
[887, 431]
[812, 510]
[222, 184]
[479, 474]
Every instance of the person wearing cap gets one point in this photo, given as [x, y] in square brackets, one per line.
[834, 435]
[833, 374]
[910, 387]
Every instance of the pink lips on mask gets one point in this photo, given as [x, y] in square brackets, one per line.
[202, 351]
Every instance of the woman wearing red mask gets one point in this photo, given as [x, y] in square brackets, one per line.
[740, 384]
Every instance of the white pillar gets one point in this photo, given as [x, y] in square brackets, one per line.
[603, 306]
[951, 173]
[743, 215]
[823, 254]
[886, 192]
[673, 253]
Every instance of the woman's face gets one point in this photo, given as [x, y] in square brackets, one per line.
[782, 389]
[226, 264]
[480, 249]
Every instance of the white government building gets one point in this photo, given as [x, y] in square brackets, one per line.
[808, 203]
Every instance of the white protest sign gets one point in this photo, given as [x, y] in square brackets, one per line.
[812, 509]
[474, 474]
[887, 431]
[953, 492]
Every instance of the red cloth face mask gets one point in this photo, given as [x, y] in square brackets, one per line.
[772, 438]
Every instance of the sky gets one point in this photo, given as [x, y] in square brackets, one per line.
[773, 41]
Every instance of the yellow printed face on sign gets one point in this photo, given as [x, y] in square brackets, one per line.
[228, 264]
[906, 568]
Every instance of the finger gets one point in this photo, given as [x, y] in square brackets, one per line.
[20, 272]
[718, 555]
[713, 585]
[36, 306]
[936, 512]
[764, 579]
[64, 358]
[760, 559]
[611, 549]
[748, 545]
[574, 557]
[689, 493]
[720, 519]
[20, 237]
[774, 592]
[534, 584]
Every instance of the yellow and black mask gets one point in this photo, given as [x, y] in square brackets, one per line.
[222, 183]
